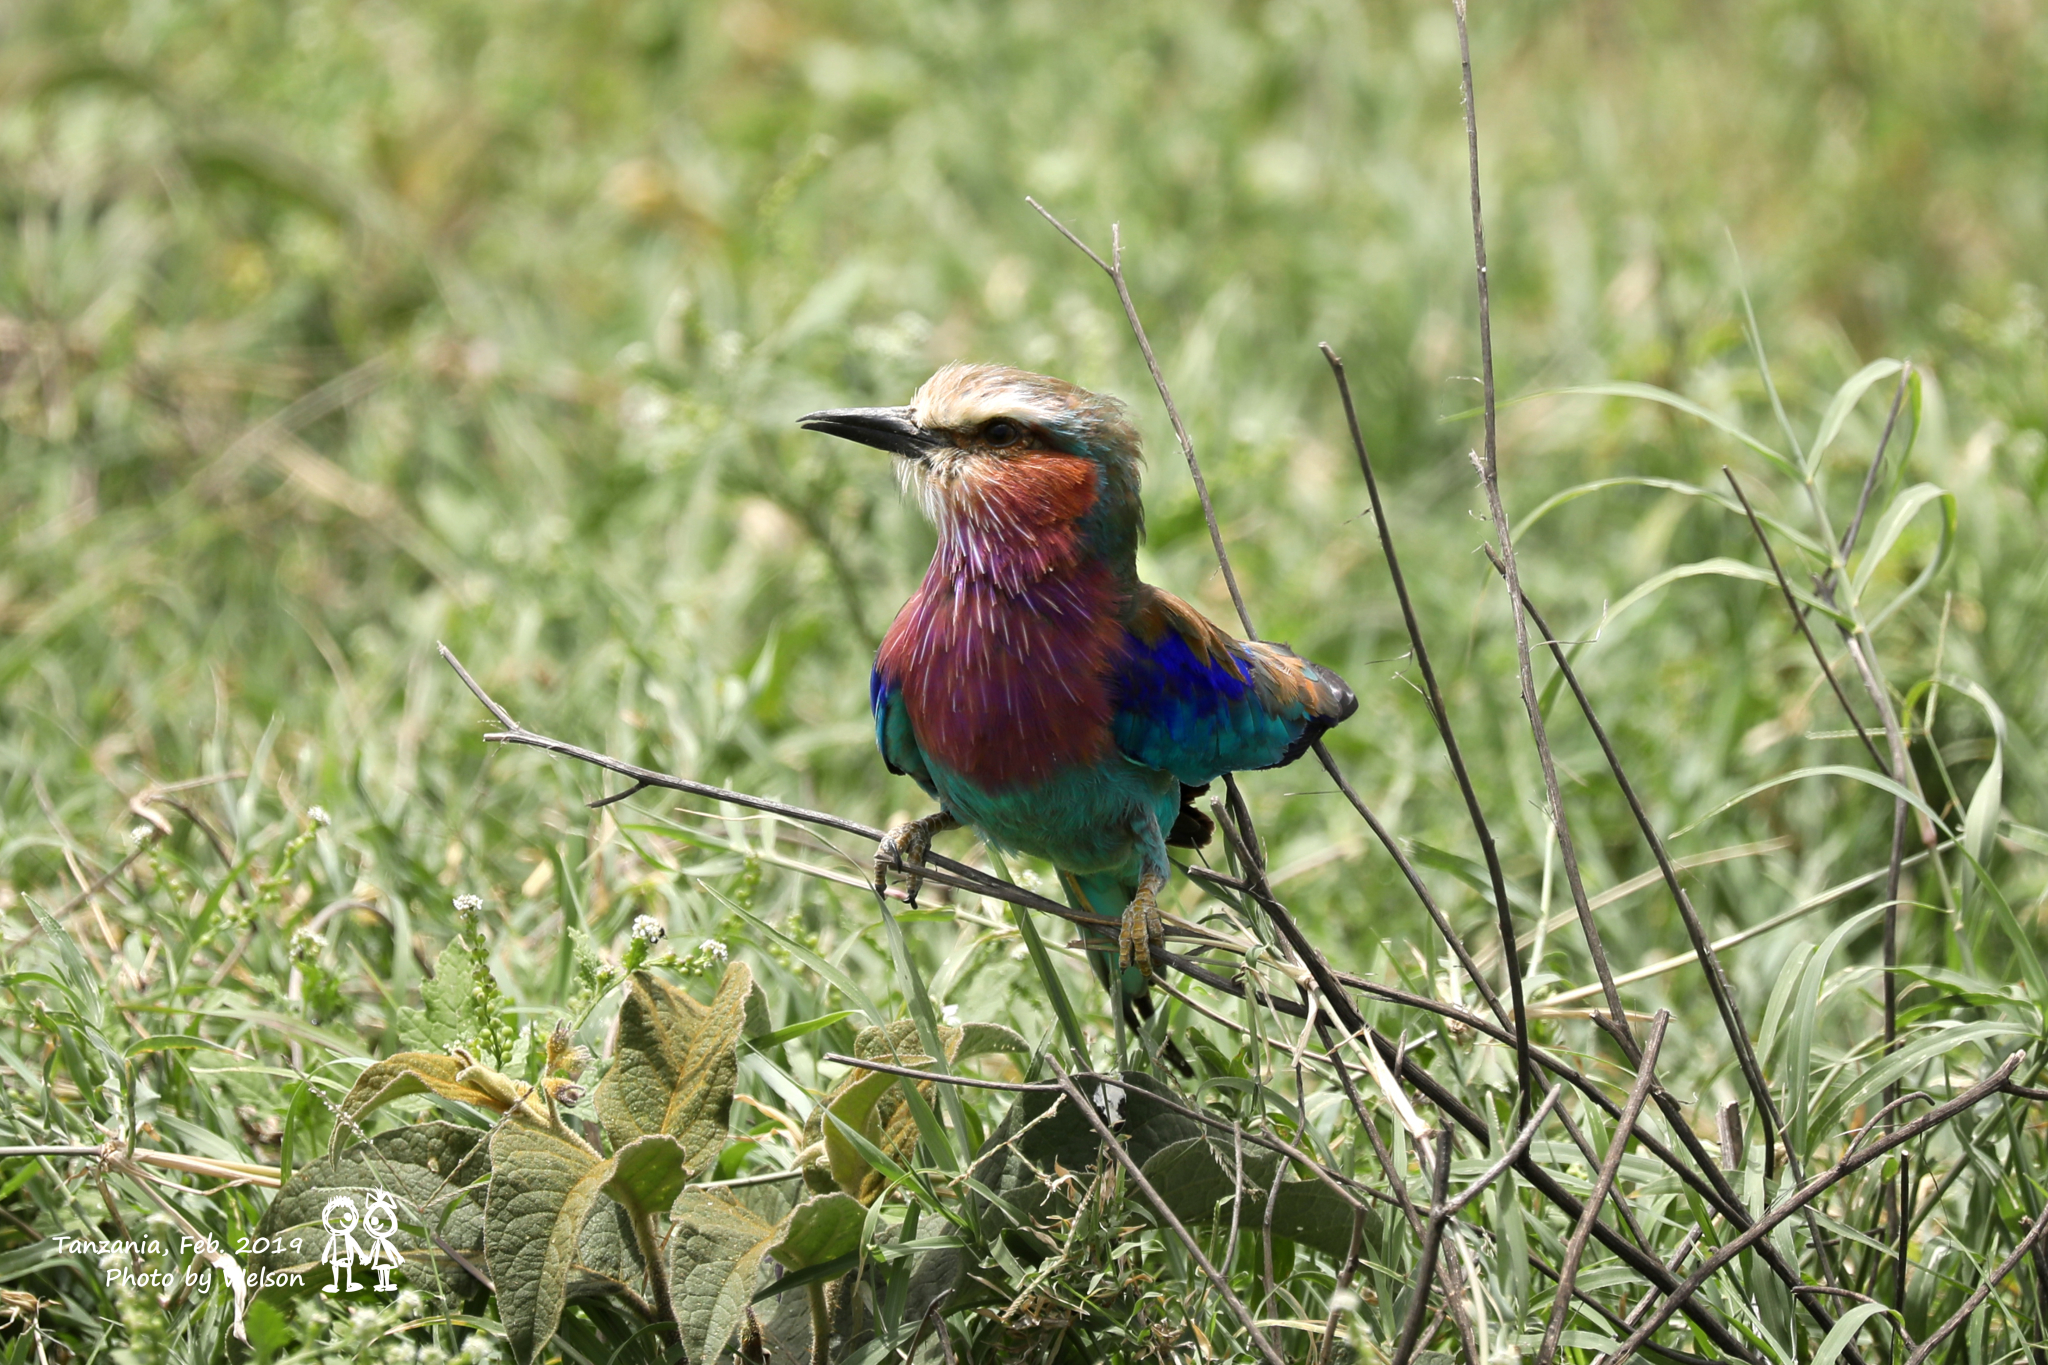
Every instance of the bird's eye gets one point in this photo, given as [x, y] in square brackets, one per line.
[1001, 433]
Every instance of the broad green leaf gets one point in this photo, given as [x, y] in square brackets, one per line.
[881, 1168]
[1148, 1126]
[822, 1228]
[608, 1255]
[977, 1040]
[451, 1010]
[897, 1039]
[675, 1064]
[892, 1112]
[408, 1073]
[854, 1102]
[647, 1173]
[1844, 403]
[545, 1182]
[715, 1248]
[1196, 1177]
[432, 1169]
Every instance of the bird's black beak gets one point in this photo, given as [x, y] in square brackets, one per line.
[887, 429]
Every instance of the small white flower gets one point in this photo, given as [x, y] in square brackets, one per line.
[471, 903]
[307, 939]
[319, 816]
[950, 1016]
[140, 835]
[712, 948]
[648, 929]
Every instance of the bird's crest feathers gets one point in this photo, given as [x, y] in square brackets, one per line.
[961, 400]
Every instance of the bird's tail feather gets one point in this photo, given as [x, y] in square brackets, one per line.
[1106, 894]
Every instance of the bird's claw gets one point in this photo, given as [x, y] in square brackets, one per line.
[904, 848]
[1144, 932]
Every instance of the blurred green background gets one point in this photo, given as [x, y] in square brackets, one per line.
[328, 330]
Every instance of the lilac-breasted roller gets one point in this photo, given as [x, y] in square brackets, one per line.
[1033, 686]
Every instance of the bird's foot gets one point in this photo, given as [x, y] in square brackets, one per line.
[1144, 933]
[904, 848]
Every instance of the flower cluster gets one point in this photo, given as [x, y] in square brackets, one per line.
[647, 931]
[706, 959]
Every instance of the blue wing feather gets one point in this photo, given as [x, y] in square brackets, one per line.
[1194, 702]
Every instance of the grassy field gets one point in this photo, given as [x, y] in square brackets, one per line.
[330, 331]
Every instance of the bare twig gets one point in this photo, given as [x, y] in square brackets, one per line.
[1976, 1300]
[1432, 1238]
[1870, 475]
[1799, 618]
[1439, 713]
[1489, 472]
[942, 870]
[1901, 773]
[1703, 948]
[1811, 1190]
[973, 879]
[1560, 1307]
[1442, 1210]
[1723, 1195]
[1343, 1287]
[1114, 268]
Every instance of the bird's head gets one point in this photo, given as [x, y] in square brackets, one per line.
[999, 453]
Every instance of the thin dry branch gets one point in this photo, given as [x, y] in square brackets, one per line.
[1114, 268]
[1799, 618]
[1723, 1195]
[1489, 476]
[1440, 714]
[1560, 1307]
[1804, 1196]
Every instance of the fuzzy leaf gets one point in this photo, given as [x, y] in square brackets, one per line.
[893, 1041]
[1149, 1126]
[1196, 1178]
[408, 1073]
[450, 1008]
[428, 1167]
[715, 1248]
[822, 1228]
[979, 1039]
[674, 1068]
[857, 1103]
[647, 1173]
[545, 1183]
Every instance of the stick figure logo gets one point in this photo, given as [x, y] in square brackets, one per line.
[380, 1220]
[343, 1253]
